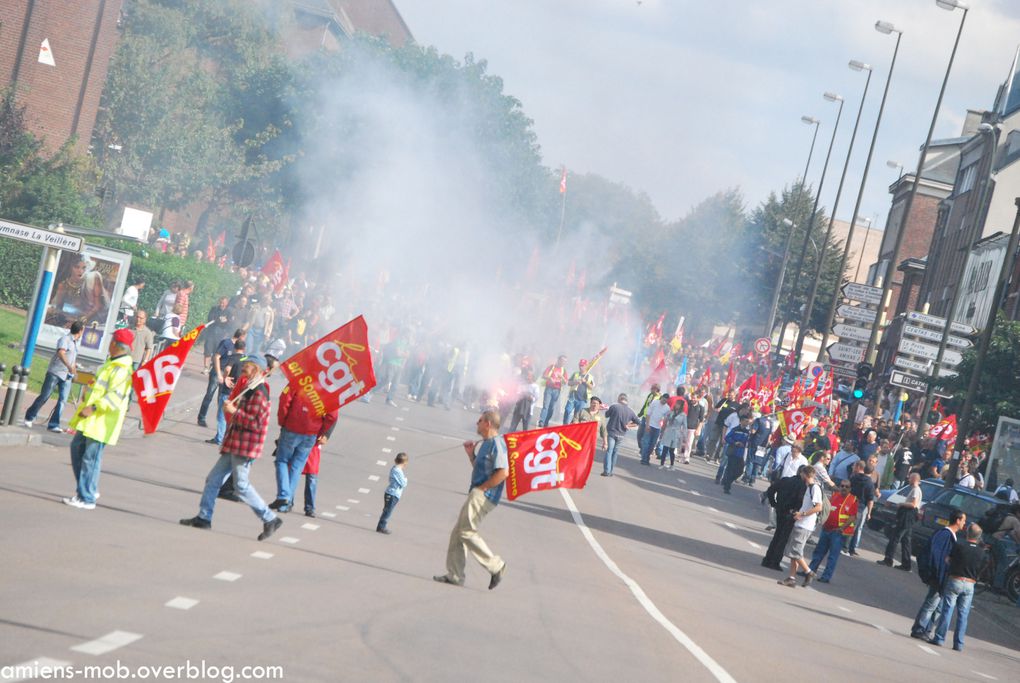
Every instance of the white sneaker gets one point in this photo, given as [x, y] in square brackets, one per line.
[56, 430]
[26, 423]
[77, 502]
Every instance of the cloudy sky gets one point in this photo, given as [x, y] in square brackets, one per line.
[682, 98]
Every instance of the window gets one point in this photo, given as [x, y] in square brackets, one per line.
[967, 176]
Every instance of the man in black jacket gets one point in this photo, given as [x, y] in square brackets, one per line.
[786, 496]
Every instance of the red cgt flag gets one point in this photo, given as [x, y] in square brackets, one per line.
[550, 458]
[793, 422]
[944, 430]
[276, 271]
[155, 381]
[335, 370]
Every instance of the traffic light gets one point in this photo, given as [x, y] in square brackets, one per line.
[861, 383]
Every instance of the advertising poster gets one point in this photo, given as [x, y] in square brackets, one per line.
[87, 287]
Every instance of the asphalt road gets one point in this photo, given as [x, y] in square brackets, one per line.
[668, 586]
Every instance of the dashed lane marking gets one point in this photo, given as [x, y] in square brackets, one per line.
[328, 514]
[387, 450]
[881, 628]
[262, 555]
[845, 609]
[754, 545]
[395, 429]
[181, 602]
[695, 493]
[364, 491]
[373, 477]
[310, 526]
[400, 419]
[714, 668]
[342, 508]
[991, 678]
[682, 481]
[108, 643]
[36, 665]
[731, 525]
[928, 650]
[406, 409]
[353, 501]
[391, 438]
[381, 463]
[227, 576]
[290, 540]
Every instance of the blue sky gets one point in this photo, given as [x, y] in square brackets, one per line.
[681, 99]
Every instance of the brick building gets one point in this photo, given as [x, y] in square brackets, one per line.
[61, 100]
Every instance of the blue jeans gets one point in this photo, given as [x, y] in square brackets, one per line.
[830, 543]
[549, 401]
[291, 456]
[722, 466]
[610, 461]
[311, 486]
[929, 613]
[64, 388]
[855, 540]
[256, 338]
[237, 467]
[221, 417]
[86, 459]
[958, 594]
[573, 406]
[389, 502]
[651, 438]
[751, 470]
[210, 390]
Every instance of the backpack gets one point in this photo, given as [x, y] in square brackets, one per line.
[1004, 493]
[826, 505]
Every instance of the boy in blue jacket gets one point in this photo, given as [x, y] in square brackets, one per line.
[398, 482]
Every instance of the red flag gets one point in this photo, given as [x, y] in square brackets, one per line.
[275, 271]
[660, 375]
[824, 393]
[944, 430]
[155, 381]
[748, 390]
[730, 379]
[654, 333]
[563, 181]
[550, 458]
[334, 370]
[706, 378]
[794, 421]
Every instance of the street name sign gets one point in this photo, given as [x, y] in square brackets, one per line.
[38, 236]
[850, 332]
[928, 351]
[935, 321]
[857, 314]
[901, 379]
[864, 293]
[921, 367]
[935, 336]
[845, 353]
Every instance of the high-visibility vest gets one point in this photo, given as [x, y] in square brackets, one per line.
[109, 396]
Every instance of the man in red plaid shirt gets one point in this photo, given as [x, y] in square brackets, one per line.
[248, 416]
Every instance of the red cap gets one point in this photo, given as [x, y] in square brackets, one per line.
[124, 336]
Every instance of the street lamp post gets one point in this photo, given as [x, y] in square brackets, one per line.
[809, 305]
[829, 97]
[887, 28]
[779, 285]
[887, 279]
[898, 166]
[864, 245]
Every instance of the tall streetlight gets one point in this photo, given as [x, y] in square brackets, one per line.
[779, 285]
[864, 245]
[887, 280]
[809, 305]
[886, 28]
[898, 166]
[829, 97]
[811, 121]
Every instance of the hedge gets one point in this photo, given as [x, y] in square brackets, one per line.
[19, 266]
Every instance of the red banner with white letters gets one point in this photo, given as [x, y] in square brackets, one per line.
[335, 370]
[794, 422]
[550, 458]
[155, 381]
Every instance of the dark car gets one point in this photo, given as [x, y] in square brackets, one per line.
[883, 514]
[978, 505]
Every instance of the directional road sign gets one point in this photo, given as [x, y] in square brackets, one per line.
[850, 332]
[906, 381]
[919, 367]
[45, 238]
[935, 321]
[845, 353]
[857, 314]
[936, 336]
[929, 351]
[859, 292]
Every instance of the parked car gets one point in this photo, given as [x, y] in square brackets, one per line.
[978, 505]
[883, 514]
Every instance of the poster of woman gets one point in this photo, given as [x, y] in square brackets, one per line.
[86, 287]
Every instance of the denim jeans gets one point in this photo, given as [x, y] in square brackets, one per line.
[210, 391]
[549, 401]
[86, 459]
[392, 381]
[855, 539]
[49, 382]
[311, 486]
[610, 461]
[291, 456]
[829, 543]
[573, 406]
[651, 438]
[237, 467]
[221, 417]
[929, 613]
[958, 594]
[722, 466]
[256, 338]
[389, 502]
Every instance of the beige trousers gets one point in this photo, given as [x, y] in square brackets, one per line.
[465, 537]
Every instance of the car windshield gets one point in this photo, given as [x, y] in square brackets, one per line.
[972, 505]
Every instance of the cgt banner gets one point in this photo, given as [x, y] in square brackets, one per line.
[794, 422]
[335, 370]
[550, 458]
[155, 381]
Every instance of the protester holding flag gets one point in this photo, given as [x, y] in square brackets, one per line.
[248, 415]
[489, 469]
[301, 428]
[99, 419]
[555, 376]
[653, 395]
[580, 386]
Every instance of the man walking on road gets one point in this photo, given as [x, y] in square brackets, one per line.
[224, 348]
[242, 445]
[839, 525]
[786, 496]
[619, 418]
[966, 560]
[489, 469]
[300, 430]
[906, 515]
[99, 419]
[59, 374]
[933, 568]
[803, 525]
[737, 443]
[555, 375]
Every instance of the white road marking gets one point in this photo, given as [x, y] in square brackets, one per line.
[928, 650]
[881, 628]
[381, 463]
[227, 576]
[352, 501]
[328, 514]
[262, 555]
[731, 525]
[180, 602]
[395, 429]
[373, 477]
[387, 450]
[405, 409]
[693, 492]
[310, 526]
[108, 643]
[845, 609]
[391, 438]
[714, 668]
[33, 667]
[364, 491]
[991, 678]
[710, 507]
[682, 481]
[290, 539]
[400, 419]
[342, 508]
[754, 545]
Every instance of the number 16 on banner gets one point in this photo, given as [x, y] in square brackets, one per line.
[155, 381]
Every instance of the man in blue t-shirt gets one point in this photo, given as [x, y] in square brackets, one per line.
[489, 469]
